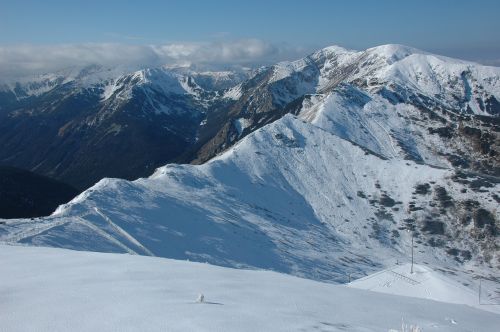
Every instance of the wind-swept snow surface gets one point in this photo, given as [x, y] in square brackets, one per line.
[54, 290]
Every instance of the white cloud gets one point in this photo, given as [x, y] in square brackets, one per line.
[26, 60]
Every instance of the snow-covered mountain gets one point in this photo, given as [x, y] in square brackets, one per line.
[169, 79]
[290, 197]
[400, 73]
[410, 103]
[380, 146]
[393, 99]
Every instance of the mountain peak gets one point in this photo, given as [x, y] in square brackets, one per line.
[394, 52]
[335, 49]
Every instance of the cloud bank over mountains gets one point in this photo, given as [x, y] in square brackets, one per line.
[17, 61]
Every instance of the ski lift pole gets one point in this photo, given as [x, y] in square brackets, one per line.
[480, 290]
[410, 231]
[411, 252]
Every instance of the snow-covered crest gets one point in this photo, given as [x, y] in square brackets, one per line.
[290, 197]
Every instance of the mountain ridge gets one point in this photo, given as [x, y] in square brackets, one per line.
[320, 168]
[274, 201]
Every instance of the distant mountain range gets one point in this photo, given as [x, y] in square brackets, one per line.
[320, 167]
[80, 128]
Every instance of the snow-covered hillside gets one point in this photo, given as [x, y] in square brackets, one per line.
[423, 282]
[290, 197]
[395, 130]
[56, 290]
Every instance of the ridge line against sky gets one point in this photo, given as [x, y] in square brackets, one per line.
[235, 32]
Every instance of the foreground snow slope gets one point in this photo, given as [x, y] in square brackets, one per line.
[59, 290]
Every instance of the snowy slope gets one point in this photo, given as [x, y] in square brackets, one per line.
[422, 283]
[367, 119]
[56, 290]
[370, 120]
[290, 197]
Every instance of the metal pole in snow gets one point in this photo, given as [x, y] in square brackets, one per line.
[480, 290]
[411, 252]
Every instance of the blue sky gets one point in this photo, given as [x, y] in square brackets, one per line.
[464, 29]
